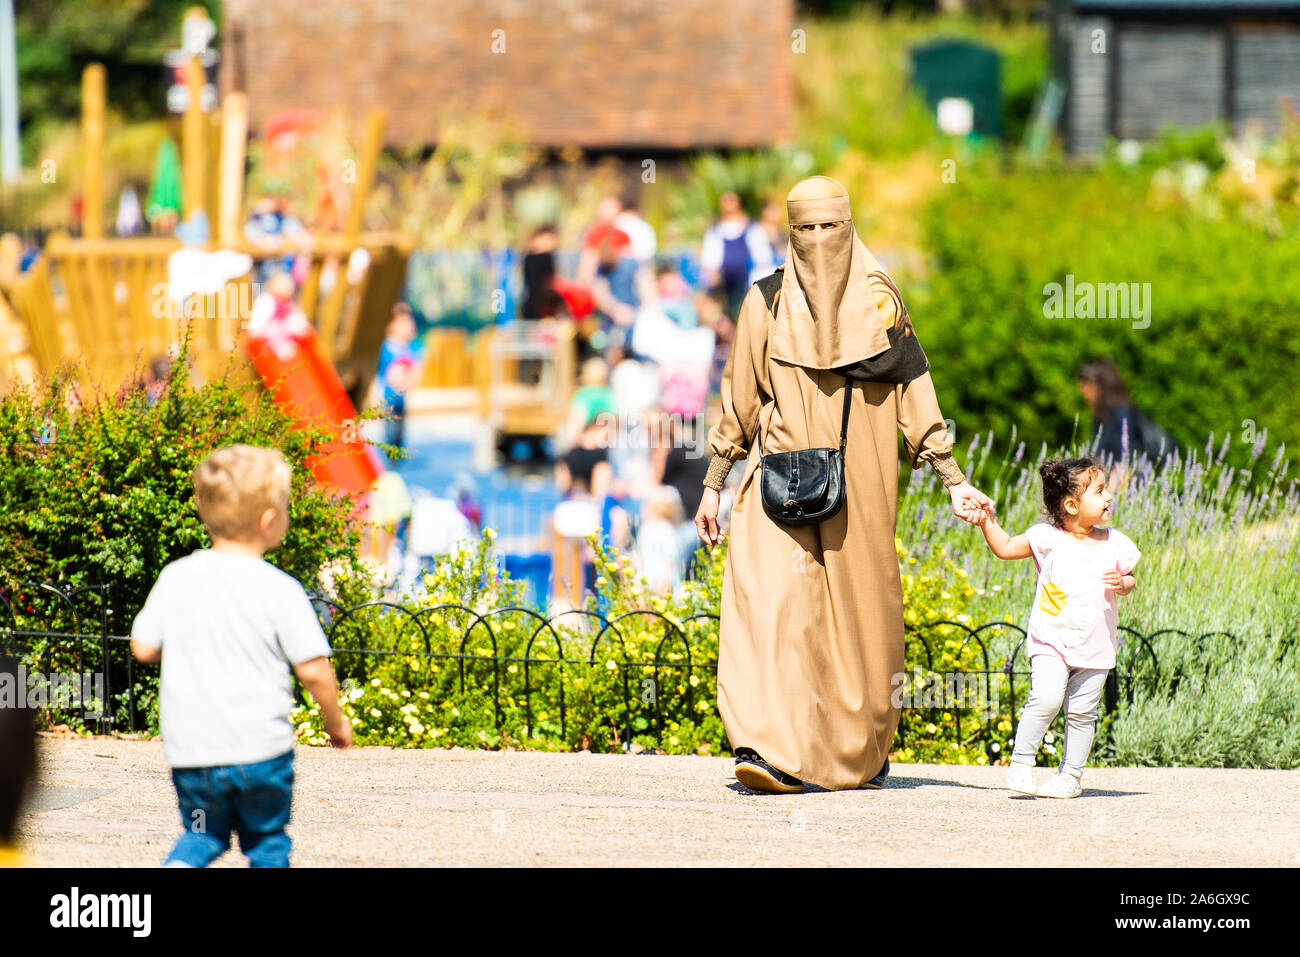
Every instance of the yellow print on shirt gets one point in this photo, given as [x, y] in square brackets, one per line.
[1051, 599]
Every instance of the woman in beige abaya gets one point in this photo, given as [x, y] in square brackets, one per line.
[812, 616]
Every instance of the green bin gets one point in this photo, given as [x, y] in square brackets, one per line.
[959, 69]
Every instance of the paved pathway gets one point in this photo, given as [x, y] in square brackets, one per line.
[109, 802]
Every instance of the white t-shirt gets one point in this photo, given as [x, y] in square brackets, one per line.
[1074, 616]
[229, 627]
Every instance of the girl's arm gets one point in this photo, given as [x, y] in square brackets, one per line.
[1002, 544]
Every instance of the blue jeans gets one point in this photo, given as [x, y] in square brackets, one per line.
[250, 799]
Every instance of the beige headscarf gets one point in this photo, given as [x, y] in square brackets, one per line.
[828, 315]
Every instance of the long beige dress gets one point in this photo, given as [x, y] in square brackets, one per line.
[812, 616]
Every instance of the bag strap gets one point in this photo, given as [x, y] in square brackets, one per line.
[848, 395]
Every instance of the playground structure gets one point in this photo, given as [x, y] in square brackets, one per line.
[101, 309]
[105, 307]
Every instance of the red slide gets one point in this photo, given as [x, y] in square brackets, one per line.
[306, 386]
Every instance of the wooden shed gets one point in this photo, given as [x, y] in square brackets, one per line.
[1133, 67]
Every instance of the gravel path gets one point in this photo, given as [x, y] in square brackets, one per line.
[108, 802]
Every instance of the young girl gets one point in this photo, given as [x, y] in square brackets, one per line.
[1082, 567]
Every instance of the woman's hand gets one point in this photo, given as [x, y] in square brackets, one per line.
[706, 517]
[968, 502]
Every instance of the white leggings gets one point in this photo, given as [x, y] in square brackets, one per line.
[1053, 683]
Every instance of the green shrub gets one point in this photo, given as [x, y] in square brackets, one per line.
[96, 490]
[1219, 353]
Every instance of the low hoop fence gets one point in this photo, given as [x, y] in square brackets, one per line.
[538, 671]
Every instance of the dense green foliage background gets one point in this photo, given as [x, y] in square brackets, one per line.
[1222, 346]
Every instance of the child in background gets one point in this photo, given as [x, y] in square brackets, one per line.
[1072, 634]
[400, 359]
[592, 398]
[227, 626]
[276, 317]
[658, 548]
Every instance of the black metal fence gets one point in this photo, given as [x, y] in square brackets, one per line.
[85, 630]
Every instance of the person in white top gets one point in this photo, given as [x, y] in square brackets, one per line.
[640, 233]
[227, 626]
[1072, 637]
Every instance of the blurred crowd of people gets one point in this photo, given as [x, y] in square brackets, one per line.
[652, 346]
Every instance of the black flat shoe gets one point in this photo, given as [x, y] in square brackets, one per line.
[876, 783]
[757, 775]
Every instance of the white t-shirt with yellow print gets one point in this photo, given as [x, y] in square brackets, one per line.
[1074, 616]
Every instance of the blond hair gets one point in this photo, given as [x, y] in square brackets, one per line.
[665, 503]
[234, 485]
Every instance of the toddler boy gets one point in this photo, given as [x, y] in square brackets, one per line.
[227, 625]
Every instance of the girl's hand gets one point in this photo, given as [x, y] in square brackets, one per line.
[1113, 580]
[968, 503]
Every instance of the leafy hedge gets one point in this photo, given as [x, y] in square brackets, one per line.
[96, 485]
[1222, 346]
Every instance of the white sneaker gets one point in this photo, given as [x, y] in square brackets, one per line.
[1061, 785]
[1020, 777]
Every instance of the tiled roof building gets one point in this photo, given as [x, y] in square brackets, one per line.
[595, 73]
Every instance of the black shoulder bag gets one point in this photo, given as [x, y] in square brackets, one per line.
[806, 486]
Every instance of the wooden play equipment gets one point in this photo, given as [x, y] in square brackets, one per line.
[548, 350]
[104, 303]
[515, 379]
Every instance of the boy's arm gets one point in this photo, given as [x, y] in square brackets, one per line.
[1003, 545]
[317, 676]
[147, 630]
[145, 654]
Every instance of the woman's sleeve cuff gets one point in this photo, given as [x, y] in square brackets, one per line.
[947, 469]
[719, 468]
